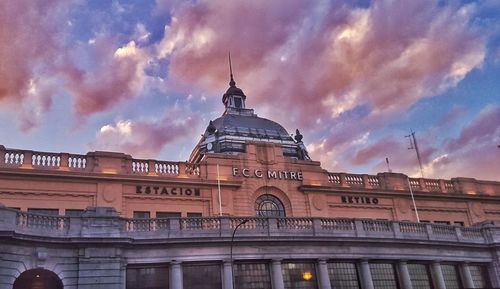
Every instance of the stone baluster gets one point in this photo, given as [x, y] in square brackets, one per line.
[404, 275]
[366, 275]
[277, 275]
[324, 279]
[175, 275]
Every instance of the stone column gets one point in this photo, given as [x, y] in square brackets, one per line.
[366, 275]
[404, 275]
[437, 275]
[466, 276]
[277, 275]
[175, 275]
[227, 274]
[324, 279]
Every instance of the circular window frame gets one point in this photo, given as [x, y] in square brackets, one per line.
[274, 206]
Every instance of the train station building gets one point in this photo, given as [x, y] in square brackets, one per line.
[249, 210]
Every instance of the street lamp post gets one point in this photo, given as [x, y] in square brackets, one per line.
[231, 249]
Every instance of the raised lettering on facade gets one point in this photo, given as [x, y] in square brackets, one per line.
[270, 174]
[157, 190]
[358, 200]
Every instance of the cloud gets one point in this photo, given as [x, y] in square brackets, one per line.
[116, 77]
[485, 128]
[455, 113]
[325, 59]
[145, 138]
[379, 149]
[30, 50]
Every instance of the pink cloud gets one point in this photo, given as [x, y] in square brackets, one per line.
[145, 138]
[455, 113]
[116, 77]
[485, 127]
[378, 150]
[37, 63]
[30, 49]
[318, 63]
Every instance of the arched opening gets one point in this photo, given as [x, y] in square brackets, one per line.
[38, 279]
[269, 206]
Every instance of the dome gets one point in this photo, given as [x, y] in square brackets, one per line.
[249, 126]
[238, 126]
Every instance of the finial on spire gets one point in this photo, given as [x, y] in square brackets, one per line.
[231, 82]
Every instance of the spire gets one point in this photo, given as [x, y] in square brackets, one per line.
[231, 82]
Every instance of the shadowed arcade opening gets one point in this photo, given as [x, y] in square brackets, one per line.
[38, 279]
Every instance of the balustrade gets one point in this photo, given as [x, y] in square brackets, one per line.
[334, 178]
[354, 180]
[168, 168]
[373, 181]
[45, 160]
[471, 233]
[140, 167]
[448, 185]
[432, 185]
[77, 162]
[14, 158]
[37, 224]
[443, 231]
[41, 222]
[252, 223]
[295, 223]
[376, 226]
[200, 223]
[415, 184]
[146, 225]
[338, 224]
[412, 228]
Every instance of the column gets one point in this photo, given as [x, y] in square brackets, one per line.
[277, 275]
[227, 275]
[324, 279]
[404, 275]
[366, 275]
[437, 276]
[175, 275]
[466, 276]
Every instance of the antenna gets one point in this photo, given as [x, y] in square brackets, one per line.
[232, 82]
[413, 146]
[388, 166]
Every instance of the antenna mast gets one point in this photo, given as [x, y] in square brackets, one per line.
[413, 146]
[232, 82]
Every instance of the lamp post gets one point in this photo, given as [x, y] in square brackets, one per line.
[231, 249]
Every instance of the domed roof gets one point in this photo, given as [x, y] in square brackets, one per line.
[249, 126]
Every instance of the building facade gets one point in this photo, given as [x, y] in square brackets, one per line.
[250, 209]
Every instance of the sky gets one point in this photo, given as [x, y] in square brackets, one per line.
[146, 77]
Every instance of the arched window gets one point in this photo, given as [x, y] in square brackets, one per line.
[269, 206]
